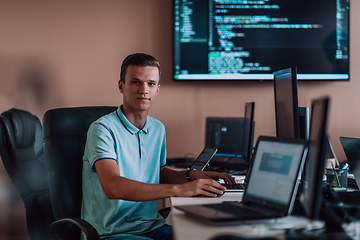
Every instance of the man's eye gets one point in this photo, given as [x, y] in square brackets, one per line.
[135, 82]
[152, 84]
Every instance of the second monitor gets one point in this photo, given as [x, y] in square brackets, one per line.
[291, 121]
[232, 136]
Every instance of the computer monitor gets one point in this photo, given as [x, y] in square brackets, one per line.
[248, 139]
[304, 122]
[315, 163]
[233, 137]
[224, 134]
[248, 40]
[286, 103]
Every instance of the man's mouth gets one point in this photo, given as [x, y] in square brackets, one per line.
[143, 99]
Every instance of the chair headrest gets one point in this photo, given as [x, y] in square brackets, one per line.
[72, 122]
[21, 120]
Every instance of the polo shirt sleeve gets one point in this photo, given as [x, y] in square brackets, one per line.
[100, 144]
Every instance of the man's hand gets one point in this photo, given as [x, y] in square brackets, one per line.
[207, 187]
[194, 174]
[204, 183]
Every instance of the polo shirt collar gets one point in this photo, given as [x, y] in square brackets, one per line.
[131, 128]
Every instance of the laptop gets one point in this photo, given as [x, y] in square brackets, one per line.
[271, 185]
[351, 148]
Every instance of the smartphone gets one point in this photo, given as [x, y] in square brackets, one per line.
[203, 159]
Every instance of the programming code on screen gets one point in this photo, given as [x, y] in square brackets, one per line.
[230, 39]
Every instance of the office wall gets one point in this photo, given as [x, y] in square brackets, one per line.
[67, 53]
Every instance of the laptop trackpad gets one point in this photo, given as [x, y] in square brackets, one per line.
[209, 211]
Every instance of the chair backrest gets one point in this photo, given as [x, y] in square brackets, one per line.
[21, 150]
[64, 132]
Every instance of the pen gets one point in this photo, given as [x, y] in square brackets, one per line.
[343, 168]
[335, 176]
[340, 172]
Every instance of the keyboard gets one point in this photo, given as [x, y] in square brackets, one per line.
[352, 183]
[238, 186]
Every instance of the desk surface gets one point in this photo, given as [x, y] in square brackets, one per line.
[186, 228]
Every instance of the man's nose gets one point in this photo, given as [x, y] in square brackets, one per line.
[144, 88]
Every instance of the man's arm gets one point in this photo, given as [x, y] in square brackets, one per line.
[117, 187]
[168, 175]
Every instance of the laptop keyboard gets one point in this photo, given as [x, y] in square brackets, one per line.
[239, 186]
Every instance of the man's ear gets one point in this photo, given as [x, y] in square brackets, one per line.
[121, 85]
[158, 89]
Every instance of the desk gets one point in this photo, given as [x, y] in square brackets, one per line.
[186, 228]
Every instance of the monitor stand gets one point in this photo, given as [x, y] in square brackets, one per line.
[333, 229]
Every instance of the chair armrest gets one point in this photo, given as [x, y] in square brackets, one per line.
[165, 212]
[86, 228]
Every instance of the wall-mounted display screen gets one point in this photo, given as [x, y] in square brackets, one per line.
[249, 40]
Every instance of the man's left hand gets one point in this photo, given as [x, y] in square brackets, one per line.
[195, 174]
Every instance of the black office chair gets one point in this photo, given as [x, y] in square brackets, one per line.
[21, 149]
[64, 132]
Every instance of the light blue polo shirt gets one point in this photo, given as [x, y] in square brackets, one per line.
[139, 155]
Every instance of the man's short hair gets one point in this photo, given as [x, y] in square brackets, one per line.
[138, 59]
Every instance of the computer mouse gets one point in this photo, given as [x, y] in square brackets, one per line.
[217, 195]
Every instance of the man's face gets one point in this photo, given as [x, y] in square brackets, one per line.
[140, 88]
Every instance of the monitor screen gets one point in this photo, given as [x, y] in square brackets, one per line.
[249, 40]
[286, 103]
[233, 137]
[224, 133]
[315, 162]
[275, 170]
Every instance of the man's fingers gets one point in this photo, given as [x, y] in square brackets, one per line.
[227, 178]
[214, 187]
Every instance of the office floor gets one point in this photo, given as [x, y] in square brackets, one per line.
[12, 210]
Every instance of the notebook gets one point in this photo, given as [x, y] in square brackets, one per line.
[271, 186]
[351, 148]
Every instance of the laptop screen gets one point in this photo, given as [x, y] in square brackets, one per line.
[275, 170]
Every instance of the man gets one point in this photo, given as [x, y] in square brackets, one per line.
[124, 162]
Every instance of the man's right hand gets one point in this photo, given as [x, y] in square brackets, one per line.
[205, 187]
